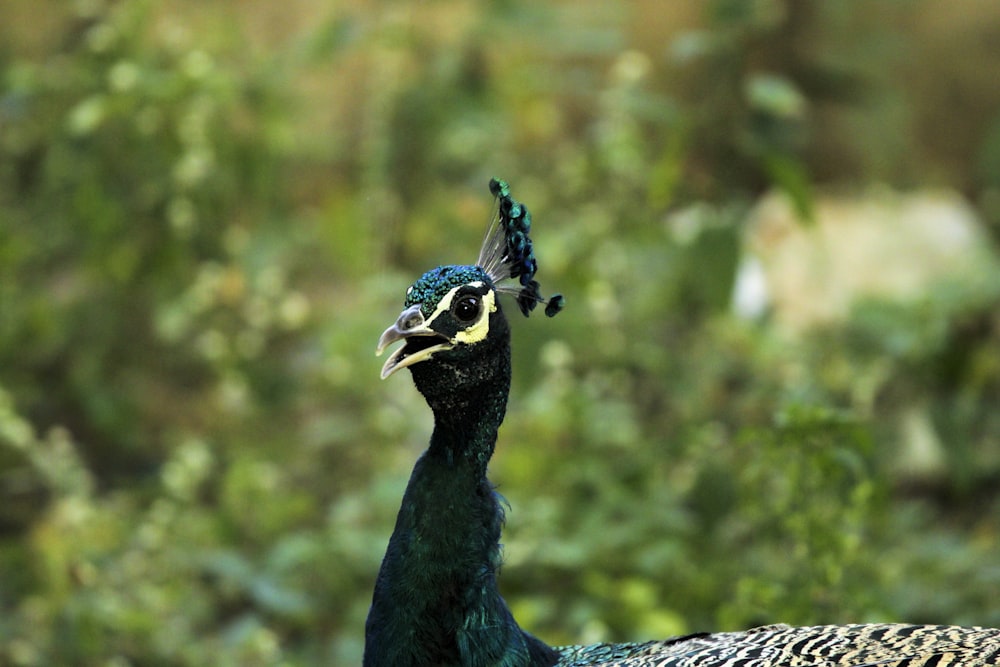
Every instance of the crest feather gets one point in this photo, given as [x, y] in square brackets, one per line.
[507, 252]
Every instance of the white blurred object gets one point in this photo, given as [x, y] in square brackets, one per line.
[883, 244]
[750, 297]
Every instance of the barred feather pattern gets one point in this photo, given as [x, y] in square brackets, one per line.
[869, 645]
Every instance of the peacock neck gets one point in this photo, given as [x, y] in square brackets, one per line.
[466, 428]
[436, 600]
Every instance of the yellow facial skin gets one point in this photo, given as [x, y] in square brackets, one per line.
[412, 323]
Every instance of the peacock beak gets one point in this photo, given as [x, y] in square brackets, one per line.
[421, 341]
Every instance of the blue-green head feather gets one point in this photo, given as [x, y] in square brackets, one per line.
[439, 281]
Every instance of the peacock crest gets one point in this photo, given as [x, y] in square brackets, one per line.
[508, 253]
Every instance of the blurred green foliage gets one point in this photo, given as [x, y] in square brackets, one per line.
[209, 211]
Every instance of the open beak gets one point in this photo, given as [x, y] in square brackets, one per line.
[421, 341]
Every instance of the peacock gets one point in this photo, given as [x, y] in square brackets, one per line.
[436, 602]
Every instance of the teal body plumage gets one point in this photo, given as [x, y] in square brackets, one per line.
[436, 601]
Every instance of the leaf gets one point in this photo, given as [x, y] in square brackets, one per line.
[792, 177]
[775, 95]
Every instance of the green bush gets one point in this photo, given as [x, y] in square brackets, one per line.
[209, 213]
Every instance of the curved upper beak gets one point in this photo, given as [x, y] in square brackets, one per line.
[409, 325]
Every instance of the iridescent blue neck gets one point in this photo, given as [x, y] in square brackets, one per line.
[436, 600]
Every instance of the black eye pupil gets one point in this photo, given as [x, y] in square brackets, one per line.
[467, 308]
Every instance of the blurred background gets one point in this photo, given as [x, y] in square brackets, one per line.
[774, 394]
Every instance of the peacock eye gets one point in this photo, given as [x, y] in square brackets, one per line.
[467, 308]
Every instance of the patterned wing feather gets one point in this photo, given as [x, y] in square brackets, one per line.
[873, 645]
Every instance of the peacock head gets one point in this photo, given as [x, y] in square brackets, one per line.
[452, 313]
